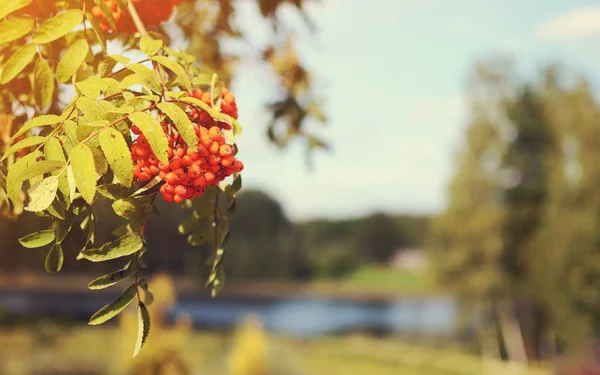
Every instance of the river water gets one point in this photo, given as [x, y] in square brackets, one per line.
[299, 317]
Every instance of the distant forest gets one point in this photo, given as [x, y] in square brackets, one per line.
[264, 243]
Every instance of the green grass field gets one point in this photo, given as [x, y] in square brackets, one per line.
[106, 350]
[379, 280]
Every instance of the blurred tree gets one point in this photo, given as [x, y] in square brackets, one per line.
[567, 263]
[466, 243]
[525, 195]
[263, 242]
[378, 238]
[480, 242]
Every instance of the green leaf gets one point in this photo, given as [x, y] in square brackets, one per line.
[71, 182]
[182, 123]
[237, 184]
[100, 163]
[190, 224]
[15, 28]
[98, 32]
[215, 88]
[54, 151]
[91, 87]
[117, 153]
[42, 194]
[39, 168]
[12, 5]
[72, 60]
[152, 130]
[90, 109]
[114, 308]
[175, 68]
[84, 171]
[150, 46]
[203, 235]
[17, 62]
[43, 83]
[123, 246]
[57, 210]
[143, 327]
[13, 180]
[147, 76]
[62, 229]
[112, 278]
[128, 208]
[57, 26]
[149, 188]
[123, 110]
[120, 59]
[54, 259]
[27, 142]
[35, 122]
[37, 239]
[237, 128]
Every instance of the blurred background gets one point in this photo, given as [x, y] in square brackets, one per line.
[421, 196]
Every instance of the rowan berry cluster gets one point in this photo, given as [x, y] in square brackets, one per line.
[189, 171]
[228, 107]
[151, 12]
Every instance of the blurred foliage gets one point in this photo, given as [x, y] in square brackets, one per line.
[519, 239]
[162, 355]
[250, 354]
[209, 27]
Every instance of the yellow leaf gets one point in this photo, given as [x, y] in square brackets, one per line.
[17, 62]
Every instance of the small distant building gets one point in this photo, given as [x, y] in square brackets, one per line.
[409, 259]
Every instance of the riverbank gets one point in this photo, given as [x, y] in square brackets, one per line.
[367, 284]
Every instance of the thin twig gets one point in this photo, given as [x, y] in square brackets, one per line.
[139, 25]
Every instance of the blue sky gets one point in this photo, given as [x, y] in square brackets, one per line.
[393, 151]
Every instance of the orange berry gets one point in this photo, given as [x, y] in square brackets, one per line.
[238, 166]
[97, 12]
[178, 152]
[214, 148]
[175, 163]
[225, 150]
[144, 176]
[229, 98]
[167, 197]
[194, 171]
[169, 188]
[215, 133]
[227, 162]
[209, 177]
[178, 198]
[180, 190]
[172, 178]
[187, 161]
[199, 181]
[197, 93]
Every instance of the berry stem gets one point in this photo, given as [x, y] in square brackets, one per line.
[215, 225]
[139, 25]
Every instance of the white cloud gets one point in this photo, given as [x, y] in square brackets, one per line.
[581, 22]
